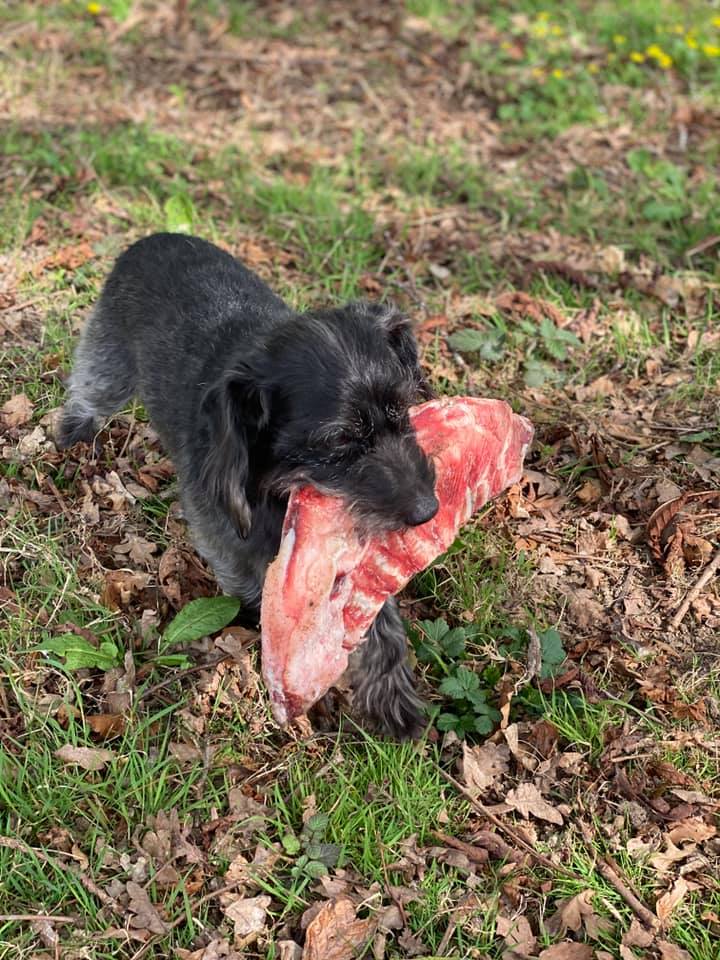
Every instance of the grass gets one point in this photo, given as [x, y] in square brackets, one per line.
[474, 166]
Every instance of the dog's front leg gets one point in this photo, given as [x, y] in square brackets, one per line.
[383, 683]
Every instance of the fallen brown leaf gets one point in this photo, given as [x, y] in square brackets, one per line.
[665, 904]
[106, 725]
[527, 800]
[249, 916]
[483, 766]
[16, 411]
[567, 951]
[336, 933]
[144, 916]
[85, 757]
[671, 951]
[517, 935]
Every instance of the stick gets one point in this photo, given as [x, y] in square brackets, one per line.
[516, 835]
[34, 917]
[707, 575]
[14, 844]
[606, 871]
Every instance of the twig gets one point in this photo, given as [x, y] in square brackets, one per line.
[707, 575]
[606, 871]
[178, 675]
[33, 917]
[12, 843]
[515, 835]
[475, 854]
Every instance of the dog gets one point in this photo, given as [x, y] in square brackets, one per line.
[251, 398]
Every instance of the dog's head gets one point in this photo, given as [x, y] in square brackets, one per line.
[325, 401]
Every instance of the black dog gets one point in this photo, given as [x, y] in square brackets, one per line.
[250, 398]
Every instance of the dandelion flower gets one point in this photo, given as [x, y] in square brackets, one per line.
[556, 30]
[637, 57]
[711, 50]
[543, 15]
[558, 73]
[691, 41]
[619, 39]
[716, 21]
[594, 68]
[665, 62]
[679, 28]
[94, 8]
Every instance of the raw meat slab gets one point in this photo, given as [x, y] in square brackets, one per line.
[327, 583]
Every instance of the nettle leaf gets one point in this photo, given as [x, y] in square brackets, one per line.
[435, 630]
[317, 824]
[315, 869]
[663, 210]
[453, 643]
[552, 652]
[79, 653]
[451, 687]
[327, 853]
[179, 213]
[537, 372]
[488, 343]
[200, 618]
[555, 339]
[291, 844]
[448, 721]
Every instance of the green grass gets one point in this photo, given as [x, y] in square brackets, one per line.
[344, 205]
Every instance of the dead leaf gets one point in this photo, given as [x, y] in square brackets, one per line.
[106, 725]
[138, 549]
[517, 935]
[590, 491]
[16, 411]
[336, 933]
[665, 904]
[249, 916]
[664, 861]
[527, 800]
[567, 951]
[483, 766]
[575, 914]
[694, 829]
[68, 258]
[637, 935]
[85, 757]
[671, 951]
[144, 917]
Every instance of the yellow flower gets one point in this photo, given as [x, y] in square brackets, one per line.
[505, 45]
[94, 8]
[665, 62]
[655, 51]
[538, 72]
[543, 15]
[594, 68]
[691, 41]
[679, 28]
[558, 73]
[637, 57]
[556, 30]
[619, 39]
[541, 30]
[716, 21]
[711, 50]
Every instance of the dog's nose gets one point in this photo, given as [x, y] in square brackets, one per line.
[422, 510]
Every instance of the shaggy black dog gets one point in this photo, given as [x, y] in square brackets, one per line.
[250, 398]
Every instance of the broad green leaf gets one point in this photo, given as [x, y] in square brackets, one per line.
[291, 844]
[317, 824]
[200, 618]
[79, 652]
[552, 652]
[663, 210]
[451, 687]
[315, 869]
[447, 721]
[434, 629]
[453, 643]
[488, 343]
[179, 213]
[537, 372]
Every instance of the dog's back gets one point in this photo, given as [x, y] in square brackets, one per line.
[159, 332]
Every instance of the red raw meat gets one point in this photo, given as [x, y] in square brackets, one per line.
[327, 584]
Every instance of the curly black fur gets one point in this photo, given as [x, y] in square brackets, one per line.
[251, 398]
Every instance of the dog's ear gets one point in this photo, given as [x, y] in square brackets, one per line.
[234, 412]
[398, 330]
